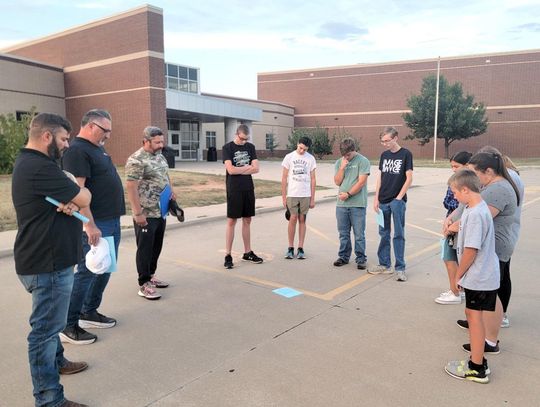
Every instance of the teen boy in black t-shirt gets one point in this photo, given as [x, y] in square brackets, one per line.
[240, 159]
[47, 246]
[393, 181]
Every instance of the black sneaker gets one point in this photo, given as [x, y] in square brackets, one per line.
[77, 336]
[463, 323]
[290, 253]
[494, 350]
[301, 255]
[96, 320]
[361, 266]
[228, 262]
[252, 257]
[340, 262]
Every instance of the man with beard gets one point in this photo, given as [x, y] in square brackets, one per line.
[47, 246]
[149, 191]
[93, 168]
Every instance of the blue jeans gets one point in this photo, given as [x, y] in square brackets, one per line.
[88, 287]
[396, 210]
[50, 301]
[354, 218]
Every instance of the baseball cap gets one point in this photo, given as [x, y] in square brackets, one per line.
[98, 259]
[175, 210]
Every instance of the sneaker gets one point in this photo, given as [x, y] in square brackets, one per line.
[378, 269]
[147, 291]
[300, 255]
[494, 350]
[361, 265]
[73, 367]
[290, 253]
[505, 322]
[465, 363]
[448, 297]
[68, 403]
[228, 262]
[77, 336]
[401, 276]
[252, 257]
[96, 320]
[158, 283]
[463, 323]
[464, 372]
[340, 262]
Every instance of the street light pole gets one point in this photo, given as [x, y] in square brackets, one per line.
[436, 111]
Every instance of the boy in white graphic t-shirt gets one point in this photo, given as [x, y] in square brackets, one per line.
[298, 192]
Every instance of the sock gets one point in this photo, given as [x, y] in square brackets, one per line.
[474, 366]
[491, 343]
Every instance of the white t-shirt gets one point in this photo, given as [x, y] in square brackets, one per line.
[476, 231]
[299, 179]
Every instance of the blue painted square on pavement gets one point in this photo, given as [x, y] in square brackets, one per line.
[287, 292]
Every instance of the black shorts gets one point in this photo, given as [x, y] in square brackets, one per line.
[480, 300]
[240, 204]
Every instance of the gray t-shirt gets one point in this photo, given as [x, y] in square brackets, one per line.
[476, 231]
[516, 225]
[500, 195]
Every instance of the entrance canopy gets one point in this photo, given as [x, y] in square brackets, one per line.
[206, 109]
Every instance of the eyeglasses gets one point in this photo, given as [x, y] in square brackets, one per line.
[102, 128]
[386, 141]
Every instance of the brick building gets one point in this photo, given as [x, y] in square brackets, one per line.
[362, 99]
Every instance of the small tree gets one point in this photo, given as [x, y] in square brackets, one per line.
[13, 136]
[321, 145]
[341, 134]
[460, 117]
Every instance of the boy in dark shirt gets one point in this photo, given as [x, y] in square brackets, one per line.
[393, 180]
[240, 159]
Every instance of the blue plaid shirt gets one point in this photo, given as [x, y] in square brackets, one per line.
[449, 202]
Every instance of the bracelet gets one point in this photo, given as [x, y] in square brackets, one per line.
[348, 193]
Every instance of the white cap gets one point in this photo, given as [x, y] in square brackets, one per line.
[98, 259]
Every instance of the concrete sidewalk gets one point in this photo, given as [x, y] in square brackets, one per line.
[224, 338]
[270, 170]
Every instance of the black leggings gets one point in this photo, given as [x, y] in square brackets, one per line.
[505, 289]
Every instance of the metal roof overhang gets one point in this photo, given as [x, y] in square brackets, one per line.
[191, 106]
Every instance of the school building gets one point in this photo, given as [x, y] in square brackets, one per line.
[118, 63]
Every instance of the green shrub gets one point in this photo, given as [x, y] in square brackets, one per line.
[13, 136]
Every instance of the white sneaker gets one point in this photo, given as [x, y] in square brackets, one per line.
[401, 276]
[505, 322]
[448, 298]
[379, 269]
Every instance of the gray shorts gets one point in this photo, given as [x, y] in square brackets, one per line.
[298, 205]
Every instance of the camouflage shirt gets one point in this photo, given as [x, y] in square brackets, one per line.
[151, 170]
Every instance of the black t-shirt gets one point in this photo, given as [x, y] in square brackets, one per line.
[85, 159]
[240, 155]
[47, 240]
[393, 167]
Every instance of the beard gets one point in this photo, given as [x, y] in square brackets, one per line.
[53, 151]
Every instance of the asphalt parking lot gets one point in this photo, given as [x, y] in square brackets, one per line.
[224, 338]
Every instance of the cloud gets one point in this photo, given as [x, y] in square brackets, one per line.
[534, 27]
[340, 31]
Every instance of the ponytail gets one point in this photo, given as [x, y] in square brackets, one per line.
[495, 161]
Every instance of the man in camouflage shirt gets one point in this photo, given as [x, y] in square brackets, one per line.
[147, 176]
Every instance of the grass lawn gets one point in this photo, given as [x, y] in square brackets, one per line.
[192, 189]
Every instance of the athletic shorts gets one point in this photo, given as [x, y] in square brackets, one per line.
[480, 300]
[298, 205]
[240, 204]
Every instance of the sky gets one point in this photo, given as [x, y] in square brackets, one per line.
[232, 40]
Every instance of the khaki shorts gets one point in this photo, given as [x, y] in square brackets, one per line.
[298, 206]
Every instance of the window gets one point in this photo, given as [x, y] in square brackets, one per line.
[182, 78]
[210, 139]
[270, 141]
[19, 115]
